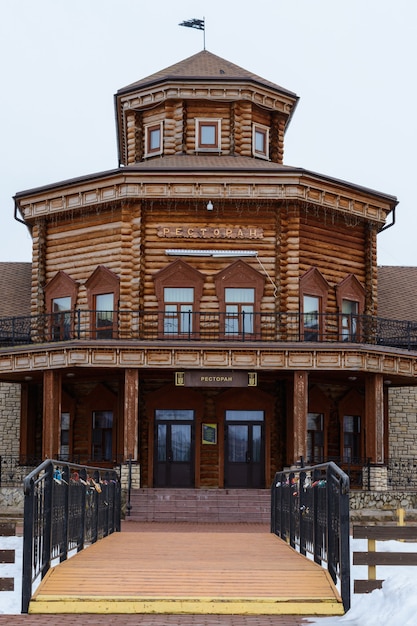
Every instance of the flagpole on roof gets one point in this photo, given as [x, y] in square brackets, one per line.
[198, 24]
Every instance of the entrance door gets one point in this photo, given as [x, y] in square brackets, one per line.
[244, 449]
[174, 448]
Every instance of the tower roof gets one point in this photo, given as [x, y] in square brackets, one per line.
[203, 65]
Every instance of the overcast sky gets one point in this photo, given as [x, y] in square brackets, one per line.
[351, 62]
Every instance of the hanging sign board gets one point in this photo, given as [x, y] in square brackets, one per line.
[193, 378]
[209, 434]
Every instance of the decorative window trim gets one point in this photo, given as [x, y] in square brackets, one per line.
[264, 130]
[206, 122]
[149, 128]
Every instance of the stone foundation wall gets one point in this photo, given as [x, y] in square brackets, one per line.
[9, 419]
[402, 406]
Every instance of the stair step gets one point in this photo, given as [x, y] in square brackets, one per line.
[200, 505]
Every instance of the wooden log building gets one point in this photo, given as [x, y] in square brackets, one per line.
[204, 309]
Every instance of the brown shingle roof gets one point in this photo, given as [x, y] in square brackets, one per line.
[205, 65]
[397, 293]
[15, 289]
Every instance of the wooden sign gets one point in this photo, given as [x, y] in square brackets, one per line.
[195, 378]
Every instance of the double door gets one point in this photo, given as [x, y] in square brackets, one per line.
[244, 448]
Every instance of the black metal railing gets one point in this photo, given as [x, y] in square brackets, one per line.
[310, 510]
[67, 507]
[202, 326]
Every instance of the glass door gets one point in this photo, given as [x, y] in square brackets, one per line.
[174, 448]
[244, 449]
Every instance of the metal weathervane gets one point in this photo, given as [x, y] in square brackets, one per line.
[198, 24]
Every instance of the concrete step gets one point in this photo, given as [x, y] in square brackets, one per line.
[201, 505]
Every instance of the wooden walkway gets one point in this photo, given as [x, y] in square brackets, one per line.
[206, 570]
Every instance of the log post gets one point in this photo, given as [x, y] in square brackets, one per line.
[131, 395]
[374, 418]
[300, 404]
[51, 413]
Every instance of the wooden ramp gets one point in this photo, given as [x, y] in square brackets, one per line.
[193, 571]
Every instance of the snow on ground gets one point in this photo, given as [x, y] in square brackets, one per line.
[394, 604]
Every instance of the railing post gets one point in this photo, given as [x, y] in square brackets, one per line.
[65, 485]
[47, 521]
[81, 527]
[96, 510]
[28, 523]
[129, 486]
[78, 324]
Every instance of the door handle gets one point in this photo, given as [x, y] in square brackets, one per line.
[248, 457]
[170, 456]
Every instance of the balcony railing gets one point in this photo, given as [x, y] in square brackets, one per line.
[207, 327]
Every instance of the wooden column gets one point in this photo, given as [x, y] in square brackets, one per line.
[300, 409]
[51, 413]
[374, 418]
[131, 414]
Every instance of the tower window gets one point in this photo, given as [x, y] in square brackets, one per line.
[153, 139]
[260, 141]
[207, 135]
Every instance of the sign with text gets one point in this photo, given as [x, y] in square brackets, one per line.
[194, 378]
[211, 232]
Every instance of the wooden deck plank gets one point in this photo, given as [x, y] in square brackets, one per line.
[141, 571]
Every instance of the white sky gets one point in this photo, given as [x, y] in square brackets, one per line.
[351, 62]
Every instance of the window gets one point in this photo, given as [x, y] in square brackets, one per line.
[102, 449]
[103, 295]
[104, 315]
[61, 318]
[260, 141]
[350, 312]
[315, 437]
[350, 297]
[239, 289]
[178, 289]
[313, 299]
[239, 310]
[351, 438]
[60, 298]
[178, 311]
[153, 139]
[311, 318]
[64, 448]
[208, 134]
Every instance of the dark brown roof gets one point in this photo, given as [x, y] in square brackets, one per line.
[205, 65]
[397, 293]
[15, 289]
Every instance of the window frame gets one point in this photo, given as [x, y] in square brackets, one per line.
[350, 289]
[264, 131]
[148, 129]
[201, 123]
